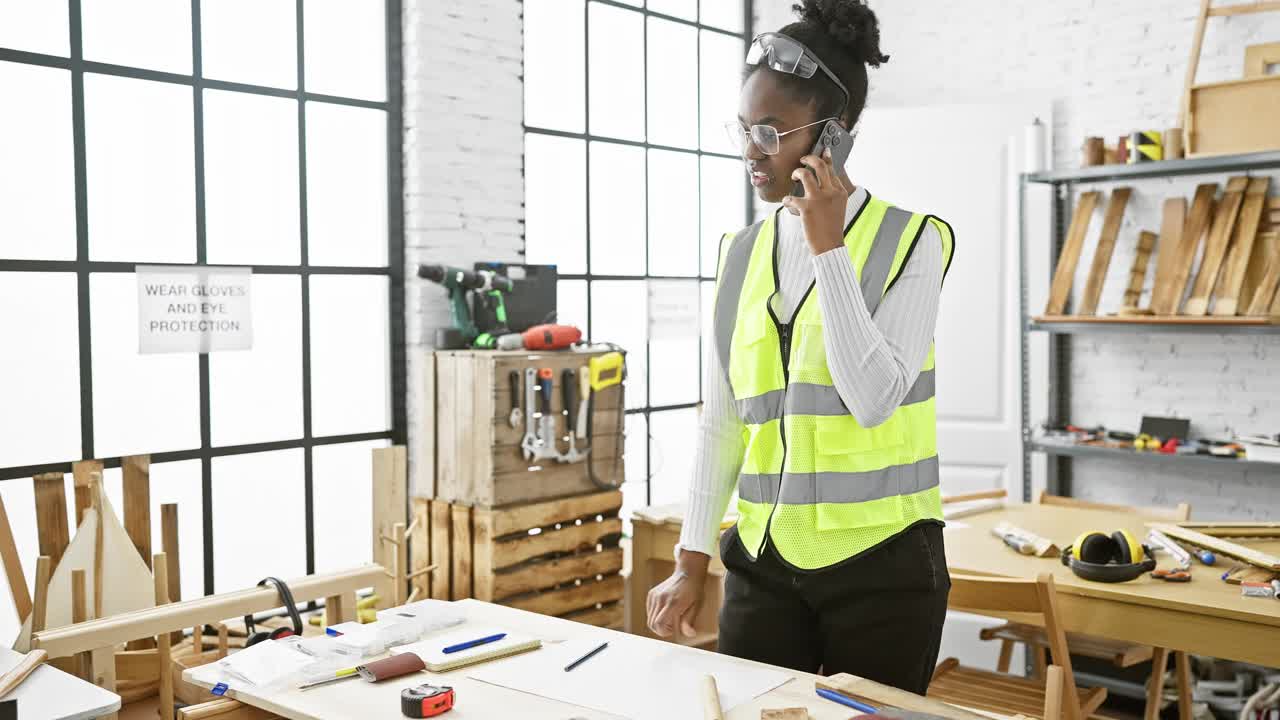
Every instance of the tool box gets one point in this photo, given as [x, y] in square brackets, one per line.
[491, 447]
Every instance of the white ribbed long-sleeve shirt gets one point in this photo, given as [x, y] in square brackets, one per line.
[874, 360]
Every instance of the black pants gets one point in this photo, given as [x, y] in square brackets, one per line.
[877, 616]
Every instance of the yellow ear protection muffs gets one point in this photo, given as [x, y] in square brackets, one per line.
[286, 596]
[1117, 557]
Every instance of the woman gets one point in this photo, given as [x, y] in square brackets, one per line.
[819, 402]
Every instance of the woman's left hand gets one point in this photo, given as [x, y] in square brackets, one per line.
[822, 208]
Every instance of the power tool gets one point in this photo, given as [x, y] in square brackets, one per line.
[488, 288]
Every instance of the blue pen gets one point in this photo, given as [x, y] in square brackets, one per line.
[473, 643]
[846, 701]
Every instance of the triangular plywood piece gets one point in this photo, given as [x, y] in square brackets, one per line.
[127, 583]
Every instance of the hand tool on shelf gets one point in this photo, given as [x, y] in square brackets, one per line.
[606, 370]
[529, 444]
[569, 387]
[514, 378]
[584, 401]
[545, 447]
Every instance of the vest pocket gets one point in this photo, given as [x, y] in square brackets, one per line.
[857, 483]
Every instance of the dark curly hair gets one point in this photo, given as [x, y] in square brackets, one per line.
[846, 36]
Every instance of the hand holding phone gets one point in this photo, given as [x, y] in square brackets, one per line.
[833, 136]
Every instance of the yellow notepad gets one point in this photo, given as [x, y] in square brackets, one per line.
[431, 650]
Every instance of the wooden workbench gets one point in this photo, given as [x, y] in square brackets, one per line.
[1205, 616]
[475, 699]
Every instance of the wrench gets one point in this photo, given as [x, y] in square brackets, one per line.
[568, 382]
[529, 445]
[514, 377]
[545, 445]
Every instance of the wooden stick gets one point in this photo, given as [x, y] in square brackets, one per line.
[1220, 546]
[1172, 220]
[14, 677]
[51, 514]
[81, 472]
[223, 638]
[160, 569]
[44, 568]
[79, 613]
[1106, 247]
[711, 699]
[400, 569]
[13, 567]
[980, 495]
[137, 503]
[1188, 127]
[96, 489]
[169, 544]
[1138, 272]
[1065, 271]
[1215, 248]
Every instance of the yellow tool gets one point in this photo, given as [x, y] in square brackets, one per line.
[1146, 442]
[606, 370]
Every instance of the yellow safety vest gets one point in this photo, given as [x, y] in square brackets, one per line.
[822, 486]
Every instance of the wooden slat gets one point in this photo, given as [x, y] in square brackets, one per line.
[1138, 271]
[420, 546]
[1269, 283]
[1065, 272]
[608, 616]
[993, 594]
[441, 518]
[544, 514]
[538, 575]
[1220, 546]
[137, 502]
[13, 567]
[482, 522]
[1227, 292]
[1173, 218]
[1106, 247]
[1265, 247]
[83, 472]
[1169, 296]
[1244, 9]
[51, 515]
[390, 498]
[40, 593]
[1158, 320]
[461, 531]
[1215, 249]
[568, 599]
[169, 544]
[571, 538]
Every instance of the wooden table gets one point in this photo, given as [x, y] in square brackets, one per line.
[475, 699]
[49, 693]
[1205, 616]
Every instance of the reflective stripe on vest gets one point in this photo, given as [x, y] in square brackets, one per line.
[821, 486]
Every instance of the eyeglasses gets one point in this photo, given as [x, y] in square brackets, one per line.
[765, 137]
[788, 55]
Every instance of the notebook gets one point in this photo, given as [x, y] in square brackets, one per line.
[431, 650]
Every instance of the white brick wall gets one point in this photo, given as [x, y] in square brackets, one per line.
[1110, 67]
[463, 155]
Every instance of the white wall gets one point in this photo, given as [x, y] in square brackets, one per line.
[463, 150]
[1110, 67]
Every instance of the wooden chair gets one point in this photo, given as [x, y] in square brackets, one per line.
[1052, 695]
[1119, 653]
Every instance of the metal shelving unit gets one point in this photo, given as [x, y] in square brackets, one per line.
[1205, 462]
[1061, 331]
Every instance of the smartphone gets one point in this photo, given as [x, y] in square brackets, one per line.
[833, 136]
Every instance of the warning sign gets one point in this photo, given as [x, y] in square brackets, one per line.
[193, 309]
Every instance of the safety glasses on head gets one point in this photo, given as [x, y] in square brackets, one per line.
[785, 54]
[765, 137]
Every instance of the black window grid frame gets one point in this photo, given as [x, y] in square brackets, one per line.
[748, 11]
[82, 266]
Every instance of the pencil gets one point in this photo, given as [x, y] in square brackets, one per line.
[586, 657]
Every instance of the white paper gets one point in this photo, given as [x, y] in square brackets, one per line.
[673, 309]
[631, 677]
[266, 663]
[193, 309]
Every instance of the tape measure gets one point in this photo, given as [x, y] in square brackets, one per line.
[426, 701]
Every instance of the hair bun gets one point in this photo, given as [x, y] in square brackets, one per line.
[850, 22]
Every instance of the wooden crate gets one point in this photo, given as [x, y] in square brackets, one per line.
[560, 557]
[477, 457]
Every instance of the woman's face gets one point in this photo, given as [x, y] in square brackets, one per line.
[764, 102]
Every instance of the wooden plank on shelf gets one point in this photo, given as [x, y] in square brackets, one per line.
[136, 470]
[1265, 246]
[1173, 217]
[1205, 320]
[1257, 6]
[441, 517]
[543, 514]
[1230, 284]
[1065, 272]
[1106, 247]
[1269, 284]
[1219, 546]
[1169, 295]
[535, 575]
[562, 601]
[83, 473]
[13, 567]
[51, 515]
[571, 538]
[461, 557]
[1138, 271]
[1215, 249]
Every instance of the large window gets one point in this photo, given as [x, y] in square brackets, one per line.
[258, 133]
[630, 183]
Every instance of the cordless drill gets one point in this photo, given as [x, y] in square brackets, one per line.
[459, 282]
